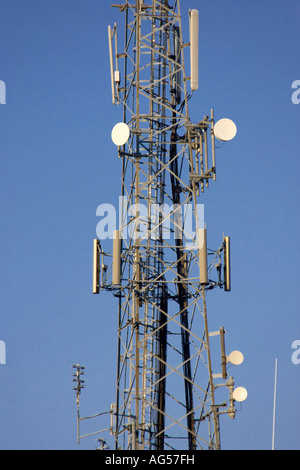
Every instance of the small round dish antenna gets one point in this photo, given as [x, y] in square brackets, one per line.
[240, 394]
[120, 134]
[225, 129]
[236, 358]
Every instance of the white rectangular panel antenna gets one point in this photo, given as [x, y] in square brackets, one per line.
[116, 258]
[110, 36]
[177, 66]
[227, 274]
[202, 240]
[194, 49]
[114, 72]
[96, 268]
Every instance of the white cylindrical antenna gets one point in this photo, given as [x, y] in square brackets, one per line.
[116, 258]
[202, 240]
[96, 268]
[274, 407]
[194, 49]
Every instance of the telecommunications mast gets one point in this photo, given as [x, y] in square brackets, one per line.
[166, 388]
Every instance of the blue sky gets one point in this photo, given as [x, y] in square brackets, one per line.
[58, 164]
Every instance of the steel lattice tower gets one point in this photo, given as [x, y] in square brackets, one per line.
[165, 394]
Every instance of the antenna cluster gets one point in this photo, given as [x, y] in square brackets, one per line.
[159, 265]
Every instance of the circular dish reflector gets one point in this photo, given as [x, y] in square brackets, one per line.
[225, 129]
[236, 358]
[240, 394]
[120, 134]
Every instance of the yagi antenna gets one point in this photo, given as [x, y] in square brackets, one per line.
[114, 72]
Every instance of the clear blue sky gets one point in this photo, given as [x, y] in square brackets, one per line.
[58, 164]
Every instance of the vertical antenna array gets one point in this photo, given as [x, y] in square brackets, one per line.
[165, 389]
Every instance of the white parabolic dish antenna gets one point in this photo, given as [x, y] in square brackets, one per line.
[225, 129]
[120, 134]
[240, 394]
[236, 358]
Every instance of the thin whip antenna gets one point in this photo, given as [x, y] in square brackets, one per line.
[274, 408]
